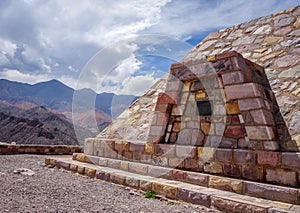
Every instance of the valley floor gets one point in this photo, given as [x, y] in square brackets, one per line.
[53, 190]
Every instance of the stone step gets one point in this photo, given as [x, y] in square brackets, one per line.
[173, 189]
[239, 186]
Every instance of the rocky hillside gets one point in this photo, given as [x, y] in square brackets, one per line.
[37, 125]
[57, 96]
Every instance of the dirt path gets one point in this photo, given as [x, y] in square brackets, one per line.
[53, 190]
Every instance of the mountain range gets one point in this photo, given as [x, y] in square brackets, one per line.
[46, 112]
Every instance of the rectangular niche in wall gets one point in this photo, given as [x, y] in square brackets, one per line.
[204, 107]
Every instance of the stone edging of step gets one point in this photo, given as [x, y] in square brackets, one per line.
[176, 190]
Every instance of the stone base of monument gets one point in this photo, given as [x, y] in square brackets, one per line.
[222, 193]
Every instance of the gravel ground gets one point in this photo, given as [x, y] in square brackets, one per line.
[53, 190]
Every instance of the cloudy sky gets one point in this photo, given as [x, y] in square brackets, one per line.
[118, 46]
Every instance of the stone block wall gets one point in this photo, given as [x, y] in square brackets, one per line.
[216, 116]
[273, 42]
[280, 168]
[226, 102]
[12, 149]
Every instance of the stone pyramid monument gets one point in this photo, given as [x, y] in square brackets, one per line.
[222, 127]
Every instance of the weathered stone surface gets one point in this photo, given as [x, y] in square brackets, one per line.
[232, 170]
[90, 172]
[213, 167]
[283, 20]
[248, 90]
[268, 158]
[281, 176]
[227, 205]
[89, 146]
[102, 175]
[295, 122]
[223, 155]
[244, 156]
[232, 108]
[186, 151]
[262, 116]
[268, 41]
[118, 179]
[265, 29]
[260, 132]
[249, 104]
[155, 171]
[233, 78]
[197, 178]
[145, 185]
[252, 172]
[226, 184]
[287, 60]
[291, 160]
[195, 197]
[81, 157]
[168, 190]
[235, 131]
[278, 193]
[138, 168]
[132, 182]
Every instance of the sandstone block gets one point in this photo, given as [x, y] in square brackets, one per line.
[260, 132]
[277, 193]
[164, 98]
[235, 131]
[90, 172]
[232, 170]
[195, 197]
[213, 168]
[149, 148]
[132, 182]
[102, 162]
[281, 176]
[227, 205]
[80, 170]
[176, 163]
[155, 171]
[92, 159]
[89, 146]
[118, 179]
[186, 151]
[121, 146]
[165, 149]
[244, 156]
[223, 155]
[268, 158]
[291, 160]
[102, 175]
[138, 168]
[232, 108]
[178, 174]
[124, 165]
[81, 157]
[192, 164]
[252, 172]
[248, 90]
[135, 147]
[169, 191]
[115, 164]
[145, 185]
[235, 77]
[262, 116]
[226, 184]
[197, 178]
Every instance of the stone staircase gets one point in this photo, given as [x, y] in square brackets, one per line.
[222, 193]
